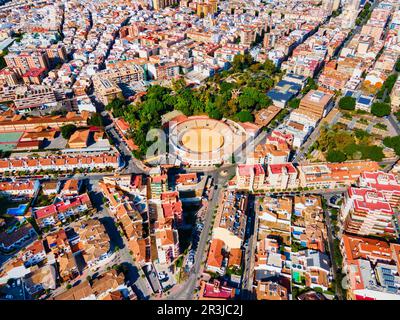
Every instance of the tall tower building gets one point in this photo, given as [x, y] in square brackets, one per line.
[330, 5]
[353, 5]
[205, 7]
[350, 13]
[161, 4]
[327, 5]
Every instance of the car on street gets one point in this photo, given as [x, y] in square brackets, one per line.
[162, 276]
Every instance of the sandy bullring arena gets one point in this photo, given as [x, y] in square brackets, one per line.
[202, 141]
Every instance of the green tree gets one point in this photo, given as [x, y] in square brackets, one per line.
[380, 109]
[96, 120]
[373, 153]
[68, 130]
[310, 85]
[269, 67]
[397, 66]
[215, 114]
[178, 85]
[394, 143]
[347, 103]
[241, 62]
[116, 107]
[294, 103]
[252, 98]
[335, 156]
[245, 116]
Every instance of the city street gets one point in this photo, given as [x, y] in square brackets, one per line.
[331, 236]
[187, 289]
[143, 290]
[249, 250]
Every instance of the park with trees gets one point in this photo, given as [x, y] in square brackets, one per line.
[338, 145]
[235, 94]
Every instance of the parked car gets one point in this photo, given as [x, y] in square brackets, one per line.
[162, 276]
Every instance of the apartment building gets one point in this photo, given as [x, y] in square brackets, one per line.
[60, 211]
[269, 153]
[216, 257]
[13, 122]
[163, 71]
[106, 90]
[395, 95]
[228, 51]
[230, 221]
[24, 61]
[250, 176]
[366, 212]
[282, 176]
[9, 77]
[333, 79]
[16, 238]
[333, 175]
[161, 4]
[372, 268]
[382, 182]
[19, 188]
[92, 241]
[167, 242]
[314, 106]
[30, 97]
[60, 162]
[127, 73]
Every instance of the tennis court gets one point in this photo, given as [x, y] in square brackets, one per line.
[9, 140]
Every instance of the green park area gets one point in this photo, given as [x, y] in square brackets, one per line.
[338, 145]
[235, 94]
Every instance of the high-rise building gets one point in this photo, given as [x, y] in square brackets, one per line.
[396, 95]
[314, 106]
[106, 90]
[328, 5]
[372, 268]
[205, 7]
[23, 61]
[350, 13]
[366, 212]
[161, 4]
[382, 182]
[353, 5]
[8, 76]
